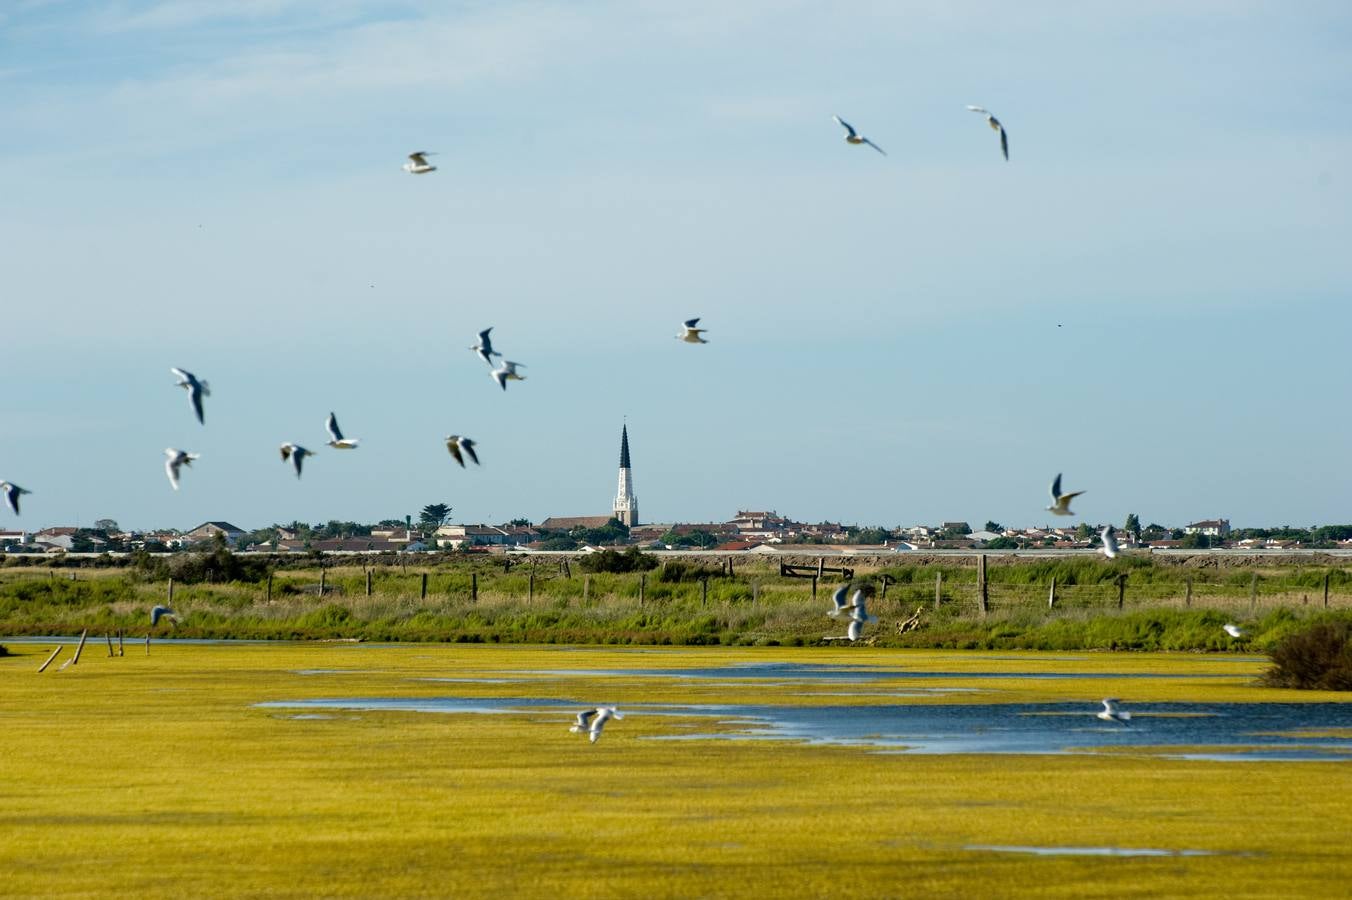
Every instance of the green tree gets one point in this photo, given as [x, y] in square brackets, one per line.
[1085, 531]
[433, 515]
[993, 526]
[1133, 524]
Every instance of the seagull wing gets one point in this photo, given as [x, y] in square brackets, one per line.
[419, 158]
[468, 446]
[875, 146]
[846, 125]
[691, 323]
[978, 109]
[500, 376]
[838, 600]
[1056, 488]
[171, 469]
[184, 376]
[855, 630]
[195, 397]
[453, 445]
[584, 717]
[332, 426]
[1004, 143]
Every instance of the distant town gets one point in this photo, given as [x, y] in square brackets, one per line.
[748, 531]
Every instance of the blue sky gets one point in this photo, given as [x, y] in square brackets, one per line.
[1151, 297]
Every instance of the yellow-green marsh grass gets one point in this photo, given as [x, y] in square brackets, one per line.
[160, 776]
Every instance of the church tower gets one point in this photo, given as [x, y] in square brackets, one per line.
[626, 504]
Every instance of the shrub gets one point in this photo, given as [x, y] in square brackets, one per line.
[1315, 658]
[631, 560]
[676, 571]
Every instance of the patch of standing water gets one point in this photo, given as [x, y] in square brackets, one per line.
[1087, 851]
[1224, 731]
[792, 673]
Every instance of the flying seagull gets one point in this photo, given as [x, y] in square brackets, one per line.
[296, 454]
[160, 612]
[855, 631]
[506, 372]
[460, 447]
[838, 601]
[1111, 713]
[852, 136]
[1061, 502]
[12, 494]
[859, 609]
[419, 164]
[1109, 542]
[1233, 630]
[583, 719]
[691, 334]
[485, 346]
[603, 715]
[336, 439]
[994, 123]
[174, 460]
[196, 390]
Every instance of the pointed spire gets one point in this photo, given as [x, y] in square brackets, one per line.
[624, 447]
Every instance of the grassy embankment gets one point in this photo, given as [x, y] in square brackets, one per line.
[157, 775]
[542, 604]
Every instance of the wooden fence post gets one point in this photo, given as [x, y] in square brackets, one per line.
[1326, 589]
[79, 648]
[42, 668]
[730, 572]
[938, 588]
[109, 636]
[814, 586]
[1121, 589]
[1187, 598]
[473, 587]
[368, 582]
[821, 563]
[170, 603]
[423, 595]
[1051, 595]
[981, 583]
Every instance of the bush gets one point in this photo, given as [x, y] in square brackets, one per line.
[676, 571]
[1315, 658]
[631, 560]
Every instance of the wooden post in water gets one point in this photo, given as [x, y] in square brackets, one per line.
[984, 594]
[1253, 593]
[368, 582]
[423, 594]
[1187, 598]
[42, 668]
[147, 643]
[1121, 589]
[473, 587]
[120, 650]
[109, 636]
[642, 587]
[1051, 595]
[79, 648]
[1326, 589]
[704, 592]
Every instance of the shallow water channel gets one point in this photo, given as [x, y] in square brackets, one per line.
[1212, 731]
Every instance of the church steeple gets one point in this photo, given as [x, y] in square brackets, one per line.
[626, 504]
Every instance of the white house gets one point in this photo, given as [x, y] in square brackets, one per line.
[1209, 527]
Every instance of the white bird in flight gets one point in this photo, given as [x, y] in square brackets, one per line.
[1061, 502]
[419, 164]
[12, 494]
[853, 137]
[336, 439]
[174, 460]
[994, 123]
[460, 447]
[1109, 542]
[691, 334]
[485, 346]
[196, 391]
[161, 612]
[1111, 713]
[603, 715]
[505, 372]
[838, 601]
[583, 720]
[296, 453]
[1233, 630]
